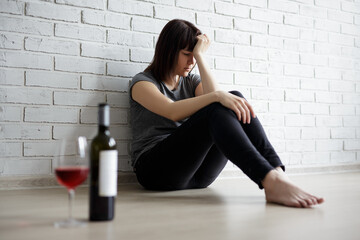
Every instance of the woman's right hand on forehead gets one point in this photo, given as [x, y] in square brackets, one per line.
[202, 45]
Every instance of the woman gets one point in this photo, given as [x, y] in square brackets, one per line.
[185, 129]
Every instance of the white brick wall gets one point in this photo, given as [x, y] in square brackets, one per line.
[297, 62]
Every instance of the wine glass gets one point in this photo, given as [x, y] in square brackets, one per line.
[71, 167]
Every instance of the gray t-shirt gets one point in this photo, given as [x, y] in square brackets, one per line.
[149, 128]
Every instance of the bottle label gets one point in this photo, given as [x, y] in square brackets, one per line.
[108, 173]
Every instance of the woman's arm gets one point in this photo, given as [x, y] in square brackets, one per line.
[208, 82]
[149, 96]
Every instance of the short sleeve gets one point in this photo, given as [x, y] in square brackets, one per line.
[195, 81]
[142, 77]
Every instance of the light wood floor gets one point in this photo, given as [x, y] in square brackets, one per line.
[229, 209]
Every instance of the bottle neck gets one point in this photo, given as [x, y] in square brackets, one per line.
[104, 118]
[104, 129]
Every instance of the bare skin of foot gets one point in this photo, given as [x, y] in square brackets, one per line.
[279, 189]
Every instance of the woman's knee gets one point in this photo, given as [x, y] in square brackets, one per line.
[237, 93]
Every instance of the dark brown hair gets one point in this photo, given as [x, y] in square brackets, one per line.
[176, 35]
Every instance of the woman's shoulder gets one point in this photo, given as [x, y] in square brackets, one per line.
[143, 76]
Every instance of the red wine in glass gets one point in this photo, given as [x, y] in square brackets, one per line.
[71, 176]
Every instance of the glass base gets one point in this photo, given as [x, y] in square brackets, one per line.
[70, 223]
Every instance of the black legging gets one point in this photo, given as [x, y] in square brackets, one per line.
[197, 151]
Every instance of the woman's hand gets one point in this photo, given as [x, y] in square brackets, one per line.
[240, 106]
[202, 45]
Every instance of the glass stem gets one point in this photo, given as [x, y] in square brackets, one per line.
[71, 200]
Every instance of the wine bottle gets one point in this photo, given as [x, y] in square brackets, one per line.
[103, 170]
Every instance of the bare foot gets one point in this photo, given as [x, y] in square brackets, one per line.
[279, 189]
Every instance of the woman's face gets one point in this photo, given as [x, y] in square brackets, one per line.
[185, 63]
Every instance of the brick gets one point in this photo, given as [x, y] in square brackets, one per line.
[300, 146]
[79, 65]
[214, 21]
[51, 46]
[11, 77]
[25, 60]
[11, 149]
[118, 100]
[25, 95]
[51, 115]
[342, 157]
[315, 84]
[271, 119]
[233, 10]
[122, 148]
[299, 95]
[350, 52]
[341, 39]
[350, 121]
[259, 3]
[26, 26]
[313, 60]
[249, 25]
[284, 107]
[24, 131]
[27, 167]
[328, 97]
[315, 12]
[267, 94]
[315, 133]
[64, 131]
[11, 41]
[131, 7]
[350, 7]
[223, 77]
[292, 133]
[315, 108]
[104, 83]
[124, 69]
[10, 114]
[43, 149]
[283, 31]
[112, 52]
[220, 49]
[284, 6]
[327, 49]
[351, 145]
[80, 32]
[163, 2]
[106, 19]
[298, 45]
[275, 134]
[299, 21]
[328, 121]
[148, 25]
[315, 158]
[283, 56]
[350, 29]
[329, 26]
[259, 67]
[342, 86]
[266, 15]
[141, 55]
[260, 40]
[78, 98]
[52, 79]
[329, 145]
[340, 16]
[97, 4]
[13, 7]
[170, 12]
[314, 35]
[341, 132]
[130, 39]
[328, 73]
[250, 52]
[299, 70]
[52, 12]
[299, 121]
[232, 64]
[335, 4]
[250, 79]
[233, 37]
[284, 82]
[200, 5]
[117, 116]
